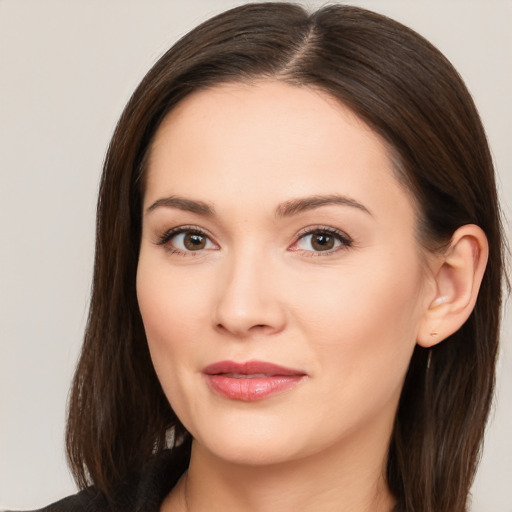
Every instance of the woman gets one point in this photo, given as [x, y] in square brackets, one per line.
[297, 280]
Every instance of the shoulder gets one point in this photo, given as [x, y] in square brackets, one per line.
[143, 490]
[87, 500]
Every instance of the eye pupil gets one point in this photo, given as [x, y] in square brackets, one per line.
[194, 242]
[322, 242]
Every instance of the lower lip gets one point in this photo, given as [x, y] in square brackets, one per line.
[251, 389]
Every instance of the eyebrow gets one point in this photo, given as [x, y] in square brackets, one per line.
[286, 209]
[295, 206]
[188, 205]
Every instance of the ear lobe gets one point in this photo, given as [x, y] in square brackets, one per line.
[460, 270]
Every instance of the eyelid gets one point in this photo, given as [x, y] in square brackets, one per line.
[324, 229]
[167, 235]
[344, 238]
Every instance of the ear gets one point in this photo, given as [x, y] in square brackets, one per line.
[458, 273]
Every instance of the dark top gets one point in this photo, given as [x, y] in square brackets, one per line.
[143, 492]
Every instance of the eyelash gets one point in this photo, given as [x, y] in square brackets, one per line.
[166, 237]
[345, 241]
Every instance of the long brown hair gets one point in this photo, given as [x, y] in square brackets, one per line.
[406, 91]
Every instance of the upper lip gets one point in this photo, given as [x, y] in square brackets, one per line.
[250, 368]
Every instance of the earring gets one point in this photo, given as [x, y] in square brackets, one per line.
[429, 359]
[439, 301]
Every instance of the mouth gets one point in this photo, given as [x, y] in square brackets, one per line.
[250, 381]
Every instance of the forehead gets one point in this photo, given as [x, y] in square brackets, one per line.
[272, 113]
[265, 141]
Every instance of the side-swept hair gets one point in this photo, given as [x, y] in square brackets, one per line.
[409, 94]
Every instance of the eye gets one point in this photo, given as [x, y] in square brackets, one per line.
[186, 239]
[318, 240]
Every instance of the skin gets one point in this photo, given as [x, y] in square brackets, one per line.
[259, 289]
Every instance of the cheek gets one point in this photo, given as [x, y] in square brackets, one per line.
[363, 319]
[173, 311]
[174, 314]
[361, 297]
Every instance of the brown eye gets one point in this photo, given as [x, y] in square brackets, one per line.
[194, 242]
[322, 240]
[186, 240]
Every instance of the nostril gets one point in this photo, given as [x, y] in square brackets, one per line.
[244, 331]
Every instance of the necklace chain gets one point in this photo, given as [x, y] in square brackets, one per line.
[185, 493]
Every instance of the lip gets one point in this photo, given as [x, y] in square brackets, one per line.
[251, 380]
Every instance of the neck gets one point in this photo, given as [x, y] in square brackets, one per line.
[347, 478]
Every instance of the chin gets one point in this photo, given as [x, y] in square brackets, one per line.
[251, 441]
[249, 451]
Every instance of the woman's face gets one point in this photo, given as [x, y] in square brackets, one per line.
[280, 281]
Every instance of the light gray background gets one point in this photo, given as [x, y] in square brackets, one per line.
[67, 67]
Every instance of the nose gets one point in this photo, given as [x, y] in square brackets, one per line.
[248, 298]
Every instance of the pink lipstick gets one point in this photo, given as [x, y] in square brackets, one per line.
[250, 381]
